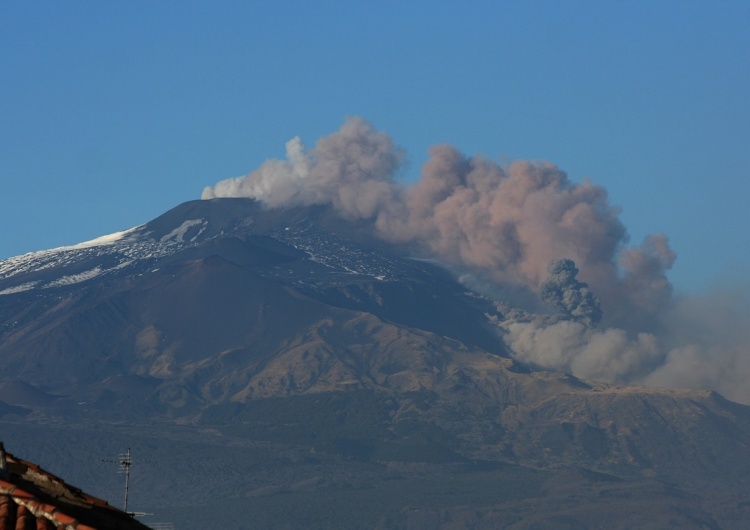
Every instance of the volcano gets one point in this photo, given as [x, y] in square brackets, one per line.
[318, 377]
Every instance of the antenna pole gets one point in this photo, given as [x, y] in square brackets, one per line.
[125, 462]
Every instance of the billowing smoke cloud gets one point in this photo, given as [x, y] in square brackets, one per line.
[707, 340]
[506, 225]
[563, 291]
[703, 342]
[571, 346]
[352, 170]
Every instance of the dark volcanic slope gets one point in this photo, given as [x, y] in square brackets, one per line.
[294, 332]
[208, 291]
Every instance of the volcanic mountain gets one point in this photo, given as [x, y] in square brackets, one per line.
[222, 301]
[293, 332]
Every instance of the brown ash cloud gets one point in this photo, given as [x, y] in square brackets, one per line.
[505, 224]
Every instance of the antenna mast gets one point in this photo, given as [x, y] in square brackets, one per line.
[125, 461]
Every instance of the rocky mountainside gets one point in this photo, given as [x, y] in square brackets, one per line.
[206, 303]
[291, 332]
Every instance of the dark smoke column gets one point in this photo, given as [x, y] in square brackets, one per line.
[571, 297]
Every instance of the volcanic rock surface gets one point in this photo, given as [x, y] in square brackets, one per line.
[296, 360]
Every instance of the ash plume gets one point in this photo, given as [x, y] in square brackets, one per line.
[564, 292]
[505, 225]
[352, 170]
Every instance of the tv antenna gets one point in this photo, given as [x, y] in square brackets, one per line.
[125, 461]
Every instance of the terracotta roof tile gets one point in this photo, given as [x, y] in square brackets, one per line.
[63, 518]
[18, 493]
[6, 487]
[7, 511]
[24, 519]
[44, 524]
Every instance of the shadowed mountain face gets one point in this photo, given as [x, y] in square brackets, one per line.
[294, 330]
[199, 305]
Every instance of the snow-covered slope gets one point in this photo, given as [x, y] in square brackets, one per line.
[139, 249]
[87, 309]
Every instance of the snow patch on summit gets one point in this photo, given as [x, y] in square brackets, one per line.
[114, 252]
[178, 234]
[103, 240]
[75, 278]
[19, 288]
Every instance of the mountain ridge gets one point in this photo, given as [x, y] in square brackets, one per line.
[295, 329]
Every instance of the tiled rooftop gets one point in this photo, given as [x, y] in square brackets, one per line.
[34, 499]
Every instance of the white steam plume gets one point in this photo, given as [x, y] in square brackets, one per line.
[351, 170]
[507, 224]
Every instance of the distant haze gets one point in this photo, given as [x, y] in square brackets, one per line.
[505, 225]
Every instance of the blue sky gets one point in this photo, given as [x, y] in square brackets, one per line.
[113, 112]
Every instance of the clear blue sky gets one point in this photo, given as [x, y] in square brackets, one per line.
[113, 112]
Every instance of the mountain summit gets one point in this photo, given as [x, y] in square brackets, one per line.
[211, 289]
[294, 329]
